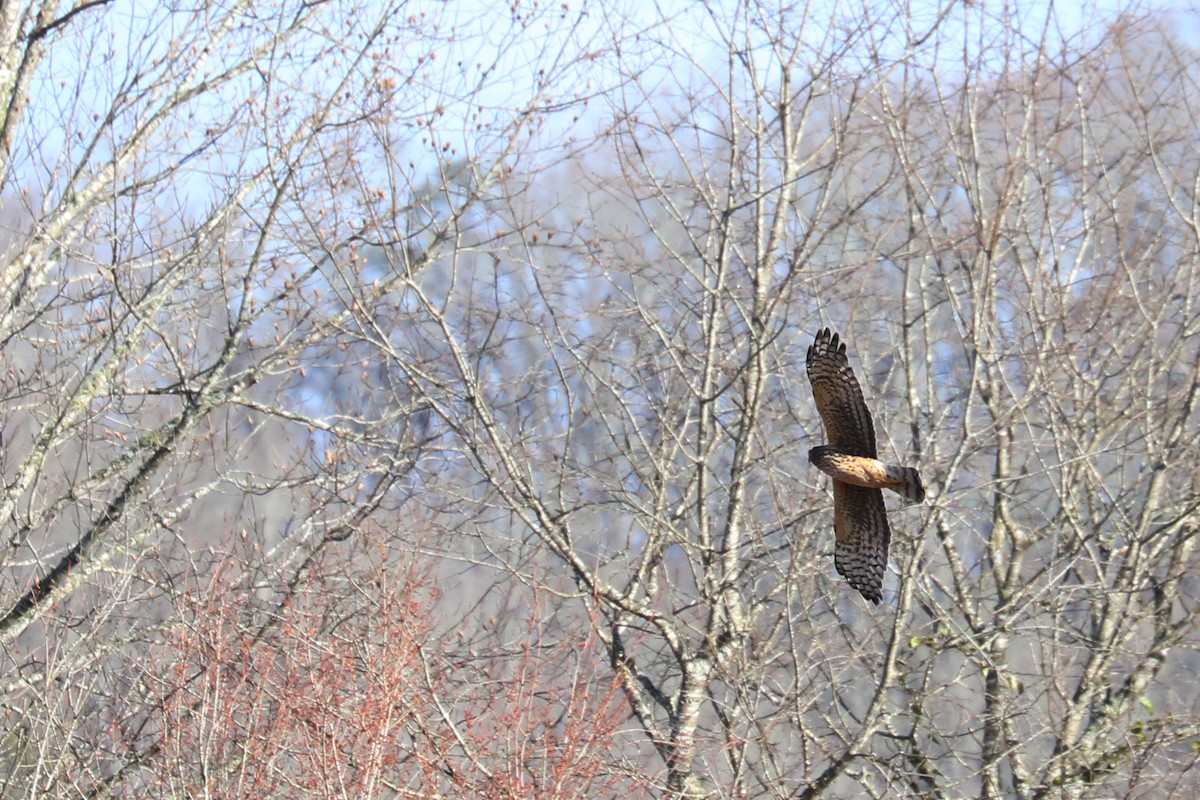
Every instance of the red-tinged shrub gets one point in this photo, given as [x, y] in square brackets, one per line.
[346, 691]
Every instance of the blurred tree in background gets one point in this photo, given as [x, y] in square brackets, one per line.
[407, 399]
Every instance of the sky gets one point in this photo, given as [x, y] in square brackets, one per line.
[479, 32]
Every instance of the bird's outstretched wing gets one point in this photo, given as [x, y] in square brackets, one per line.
[860, 527]
[839, 398]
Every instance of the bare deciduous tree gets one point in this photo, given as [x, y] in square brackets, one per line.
[624, 372]
[190, 195]
[455, 442]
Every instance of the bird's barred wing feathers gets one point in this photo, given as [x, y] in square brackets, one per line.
[861, 528]
[838, 396]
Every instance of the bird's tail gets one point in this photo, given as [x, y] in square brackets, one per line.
[907, 483]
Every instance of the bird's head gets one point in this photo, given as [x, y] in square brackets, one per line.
[819, 454]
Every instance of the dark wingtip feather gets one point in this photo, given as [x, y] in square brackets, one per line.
[869, 592]
[872, 593]
[825, 340]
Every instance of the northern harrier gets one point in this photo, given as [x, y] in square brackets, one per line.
[859, 520]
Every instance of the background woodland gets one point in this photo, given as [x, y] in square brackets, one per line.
[407, 399]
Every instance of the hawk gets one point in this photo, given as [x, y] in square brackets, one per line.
[860, 523]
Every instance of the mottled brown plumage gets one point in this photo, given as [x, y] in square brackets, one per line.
[860, 523]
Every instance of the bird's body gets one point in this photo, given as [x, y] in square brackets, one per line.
[860, 522]
[870, 473]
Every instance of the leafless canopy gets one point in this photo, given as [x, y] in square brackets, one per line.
[407, 399]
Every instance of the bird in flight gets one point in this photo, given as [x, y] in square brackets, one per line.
[860, 523]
